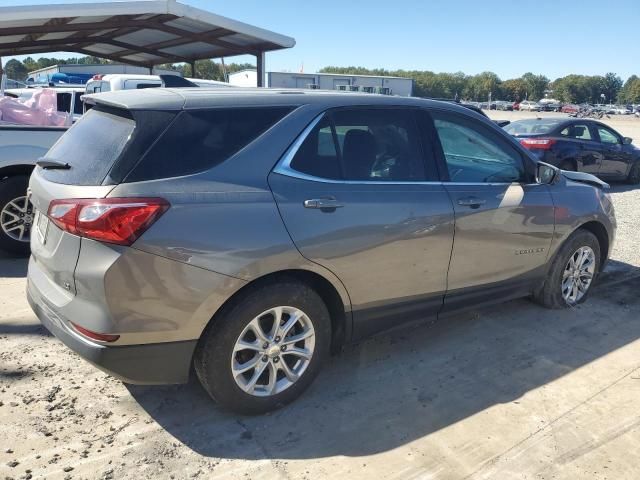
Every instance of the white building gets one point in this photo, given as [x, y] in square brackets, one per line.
[327, 81]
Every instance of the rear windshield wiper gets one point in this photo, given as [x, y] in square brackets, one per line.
[52, 165]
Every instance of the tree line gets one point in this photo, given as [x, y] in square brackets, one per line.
[569, 89]
[530, 86]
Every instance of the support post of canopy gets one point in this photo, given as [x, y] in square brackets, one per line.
[260, 69]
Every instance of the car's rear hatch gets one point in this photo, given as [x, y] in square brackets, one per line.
[87, 162]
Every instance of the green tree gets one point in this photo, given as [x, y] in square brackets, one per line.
[514, 89]
[536, 85]
[612, 85]
[15, 70]
[630, 92]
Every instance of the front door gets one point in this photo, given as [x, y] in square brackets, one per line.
[354, 196]
[615, 163]
[504, 221]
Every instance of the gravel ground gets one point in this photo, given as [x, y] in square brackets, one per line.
[512, 392]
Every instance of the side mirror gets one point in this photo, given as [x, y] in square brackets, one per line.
[546, 174]
[627, 140]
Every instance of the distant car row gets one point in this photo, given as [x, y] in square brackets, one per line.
[554, 106]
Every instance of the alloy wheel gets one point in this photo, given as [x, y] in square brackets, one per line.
[578, 275]
[16, 219]
[273, 351]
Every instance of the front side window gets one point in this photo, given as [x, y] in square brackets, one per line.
[581, 132]
[363, 145]
[607, 136]
[475, 154]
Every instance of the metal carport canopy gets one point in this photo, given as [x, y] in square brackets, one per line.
[143, 33]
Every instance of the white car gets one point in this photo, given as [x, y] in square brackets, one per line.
[111, 82]
[620, 110]
[527, 105]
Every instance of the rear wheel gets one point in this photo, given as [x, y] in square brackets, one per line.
[634, 174]
[572, 272]
[265, 349]
[16, 215]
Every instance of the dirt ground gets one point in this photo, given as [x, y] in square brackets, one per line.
[515, 391]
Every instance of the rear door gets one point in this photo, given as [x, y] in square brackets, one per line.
[504, 221]
[583, 146]
[356, 198]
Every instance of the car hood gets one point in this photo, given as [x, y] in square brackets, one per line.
[585, 178]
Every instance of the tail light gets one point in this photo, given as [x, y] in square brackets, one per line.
[537, 143]
[111, 220]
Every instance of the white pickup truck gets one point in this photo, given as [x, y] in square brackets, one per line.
[20, 147]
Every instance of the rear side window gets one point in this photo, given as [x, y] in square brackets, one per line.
[90, 147]
[581, 132]
[200, 139]
[363, 145]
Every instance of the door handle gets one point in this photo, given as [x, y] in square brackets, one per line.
[322, 203]
[472, 202]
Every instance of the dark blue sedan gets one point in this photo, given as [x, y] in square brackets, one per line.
[579, 144]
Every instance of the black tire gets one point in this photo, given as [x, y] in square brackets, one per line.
[634, 174]
[212, 359]
[10, 189]
[568, 165]
[550, 292]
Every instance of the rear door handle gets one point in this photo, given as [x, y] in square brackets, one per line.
[472, 202]
[323, 203]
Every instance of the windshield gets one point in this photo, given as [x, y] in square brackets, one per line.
[531, 127]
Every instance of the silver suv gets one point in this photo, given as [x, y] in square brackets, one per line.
[248, 233]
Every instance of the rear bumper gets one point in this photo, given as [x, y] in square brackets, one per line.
[156, 363]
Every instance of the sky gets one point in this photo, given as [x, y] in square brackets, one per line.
[554, 38]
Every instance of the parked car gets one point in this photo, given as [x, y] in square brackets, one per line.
[529, 106]
[620, 110]
[550, 106]
[581, 145]
[504, 106]
[570, 108]
[248, 233]
[113, 82]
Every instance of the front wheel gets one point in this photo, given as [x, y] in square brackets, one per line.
[16, 215]
[265, 349]
[572, 272]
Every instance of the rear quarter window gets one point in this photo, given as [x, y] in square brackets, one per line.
[201, 139]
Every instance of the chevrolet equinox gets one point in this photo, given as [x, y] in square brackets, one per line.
[249, 233]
